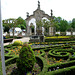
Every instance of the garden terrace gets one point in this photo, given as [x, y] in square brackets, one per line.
[53, 58]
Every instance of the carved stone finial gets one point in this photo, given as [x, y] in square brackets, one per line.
[38, 4]
[27, 14]
[51, 12]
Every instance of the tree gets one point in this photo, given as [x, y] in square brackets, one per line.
[12, 23]
[39, 27]
[45, 25]
[39, 24]
[69, 24]
[54, 24]
[22, 26]
[73, 23]
[6, 27]
[21, 23]
[19, 20]
[58, 20]
[7, 24]
[63, 25]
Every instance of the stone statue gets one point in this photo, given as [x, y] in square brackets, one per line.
[38, 5]
[27, 14]
[51, 12]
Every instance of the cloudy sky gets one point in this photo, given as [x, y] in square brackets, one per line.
[16, 8]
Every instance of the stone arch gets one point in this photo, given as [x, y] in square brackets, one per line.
[43, 29]
[32, 29]
[31, 22]
[46, 16]
[38, 14]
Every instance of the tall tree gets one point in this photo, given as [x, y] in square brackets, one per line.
[19, 20]
[21, 23]
[7, 24]
[12, 23]
[73, 23]
[57, 20]
[63, 25]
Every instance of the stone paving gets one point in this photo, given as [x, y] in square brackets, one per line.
[24, 39]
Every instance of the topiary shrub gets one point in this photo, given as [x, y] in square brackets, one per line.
[26, 59]
[18, 43]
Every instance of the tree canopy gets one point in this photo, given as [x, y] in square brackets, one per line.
[62, 25]
[73, 23]
[19, 22]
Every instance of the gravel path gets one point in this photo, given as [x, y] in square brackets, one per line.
[24, 39]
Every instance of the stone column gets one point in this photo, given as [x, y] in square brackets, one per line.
[35, 30]
[51, 31]
[28, 28]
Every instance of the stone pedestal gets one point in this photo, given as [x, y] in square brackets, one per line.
[36, 38]
[38, 32]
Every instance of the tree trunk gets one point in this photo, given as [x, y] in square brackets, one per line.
[13, 32]
[71, 31]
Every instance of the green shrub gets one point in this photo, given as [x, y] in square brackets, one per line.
[66, 71]
[58, 39]
[57, 35]
[10, 61]
[18, 43]
[26, 59]
[7, 52]
[8, 46]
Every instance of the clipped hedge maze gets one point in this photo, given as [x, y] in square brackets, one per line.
[53, 60]
[61, 53]
[66, 53]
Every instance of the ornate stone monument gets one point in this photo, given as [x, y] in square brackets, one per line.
[38, 14]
